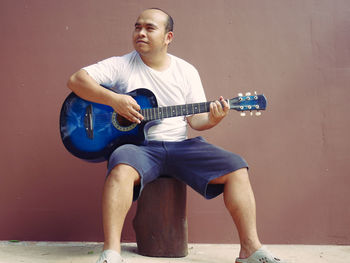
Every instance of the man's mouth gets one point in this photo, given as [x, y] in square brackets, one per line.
[141, 41]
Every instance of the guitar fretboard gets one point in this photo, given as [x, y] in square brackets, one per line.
[174, 111]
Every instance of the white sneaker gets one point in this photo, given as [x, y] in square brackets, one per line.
[110, 256]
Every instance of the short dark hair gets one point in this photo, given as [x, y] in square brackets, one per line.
[169, 26]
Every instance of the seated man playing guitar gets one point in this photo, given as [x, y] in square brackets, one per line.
[209, 170]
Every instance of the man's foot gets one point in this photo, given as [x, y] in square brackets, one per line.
[110, 256]
[260, 256]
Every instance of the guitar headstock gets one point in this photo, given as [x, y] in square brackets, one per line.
[249, 102]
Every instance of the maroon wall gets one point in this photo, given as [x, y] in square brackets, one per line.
[296, 52]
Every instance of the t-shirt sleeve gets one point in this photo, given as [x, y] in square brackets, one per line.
[105, 72]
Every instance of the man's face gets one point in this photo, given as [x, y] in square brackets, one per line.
[149, 36]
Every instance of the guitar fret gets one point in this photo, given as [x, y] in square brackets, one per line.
[150, 113]
[200, 107]
[144, 113]
[183, 110]
[151, 116]
[203, 107]
[178, 110]
[188, 108]
[195, 108]
[207, 106]
[168, 110]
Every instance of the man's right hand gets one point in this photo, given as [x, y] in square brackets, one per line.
[87, 88]
[127, 107]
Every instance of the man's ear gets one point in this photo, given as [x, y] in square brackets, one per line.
[169, 37]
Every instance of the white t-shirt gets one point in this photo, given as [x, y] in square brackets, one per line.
[179, 84]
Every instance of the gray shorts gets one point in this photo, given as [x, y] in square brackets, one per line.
[193, 161]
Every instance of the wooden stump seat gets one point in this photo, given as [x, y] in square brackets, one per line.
[160, 223]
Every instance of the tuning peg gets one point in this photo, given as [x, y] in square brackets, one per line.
[255, 93]
[248, 94]
[243, 114]
[258, 113]
[251, 113]
[240, 94]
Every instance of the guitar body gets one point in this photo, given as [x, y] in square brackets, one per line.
[92, 131]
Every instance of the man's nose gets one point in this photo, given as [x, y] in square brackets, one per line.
[142, 32]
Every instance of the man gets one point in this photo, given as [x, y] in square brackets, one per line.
[210, 170]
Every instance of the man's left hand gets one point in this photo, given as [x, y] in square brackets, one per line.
[218, 110]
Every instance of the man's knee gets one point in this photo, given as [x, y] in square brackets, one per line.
[124, 173]
[238, 174]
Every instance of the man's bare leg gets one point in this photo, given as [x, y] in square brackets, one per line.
[240, 202]
[116, 202]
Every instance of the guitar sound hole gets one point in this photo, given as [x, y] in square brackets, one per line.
[123, 122]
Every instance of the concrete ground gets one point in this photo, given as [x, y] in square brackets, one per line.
[74, 252]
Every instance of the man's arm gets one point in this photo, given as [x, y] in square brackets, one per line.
[87, 88]
[204, 121]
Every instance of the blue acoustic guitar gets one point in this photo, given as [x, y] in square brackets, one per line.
[92, 131]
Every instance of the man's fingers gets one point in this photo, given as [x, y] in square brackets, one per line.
[137, 116]
[216, 107]
[224, 103]
[133, 116]
[136, 106]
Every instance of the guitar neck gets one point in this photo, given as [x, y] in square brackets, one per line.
[241, 103]
[174, 111]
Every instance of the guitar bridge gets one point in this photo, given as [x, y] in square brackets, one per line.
[88, 123]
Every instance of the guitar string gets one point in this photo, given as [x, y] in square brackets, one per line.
[164, 112]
